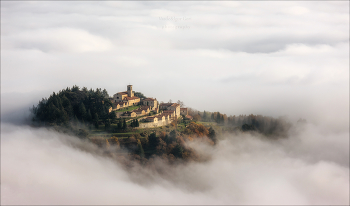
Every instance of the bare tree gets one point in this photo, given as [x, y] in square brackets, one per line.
[181, 103]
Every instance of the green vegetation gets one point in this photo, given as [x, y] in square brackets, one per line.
[127, 109]
[139, 94]
[74, 104]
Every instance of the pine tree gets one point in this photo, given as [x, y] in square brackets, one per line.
[88, 116]
[204, 116]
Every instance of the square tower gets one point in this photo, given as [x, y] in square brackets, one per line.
[130, 93]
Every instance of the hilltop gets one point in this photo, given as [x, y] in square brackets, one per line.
[141, 124]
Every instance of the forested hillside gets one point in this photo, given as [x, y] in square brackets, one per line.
[73, 104]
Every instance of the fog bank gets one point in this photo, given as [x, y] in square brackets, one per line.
[39, 166]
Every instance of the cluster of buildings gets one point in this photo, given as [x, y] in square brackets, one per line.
[164, 112]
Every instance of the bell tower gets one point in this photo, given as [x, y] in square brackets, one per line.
[130, 93]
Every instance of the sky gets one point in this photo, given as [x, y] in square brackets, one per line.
[274, 58]
[270, 58]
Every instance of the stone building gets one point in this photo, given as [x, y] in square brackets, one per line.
[127, 97]
[170, 113]
[184, 111]
[139, 112]
[153, 103]
[119, 105]
[130, 114]
[171, 106]
[146, 108]
[152, 119]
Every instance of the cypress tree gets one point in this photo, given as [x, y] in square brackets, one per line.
[120, 126]
[124, 124]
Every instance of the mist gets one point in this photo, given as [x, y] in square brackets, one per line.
[40, 166]
[270, 58]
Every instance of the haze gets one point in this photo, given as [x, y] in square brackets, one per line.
[270, 58]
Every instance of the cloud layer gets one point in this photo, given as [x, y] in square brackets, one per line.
[44, 167]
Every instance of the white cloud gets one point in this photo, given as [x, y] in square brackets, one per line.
[59, 40]
[44, 167]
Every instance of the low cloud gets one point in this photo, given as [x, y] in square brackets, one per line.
[40, 166]
[59, 40]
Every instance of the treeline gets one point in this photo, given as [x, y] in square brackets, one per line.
[74, 104]
[263, 124]
[169, 146]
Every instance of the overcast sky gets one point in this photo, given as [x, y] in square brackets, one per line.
[272, 58]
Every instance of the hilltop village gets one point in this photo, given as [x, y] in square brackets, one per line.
[134, 121]
[148, 111]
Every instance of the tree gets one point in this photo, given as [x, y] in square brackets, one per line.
[212, 135]
[107, 124]
[82, 111]
[139, 95]
[137, 123]
[105, 93]
[82, 133]
[96, 124]
[197, 117]
[88, 116]
[133, 123]
[115, 141]
[140, 150]
[120, 125]
[153, 140]
[124, 125]
[112, 116]
[67, 106]
[95, 118]
[247, 127]
[177, 151]
[218, 118]
[181, 103]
